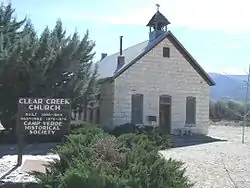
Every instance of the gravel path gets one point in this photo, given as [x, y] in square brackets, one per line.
[217, 164]
[233, 134]
[34, 152]
[9, 173]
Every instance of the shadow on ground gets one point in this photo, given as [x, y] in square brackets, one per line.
[20, 185]
[183, 141]
[44, 148]
[8, 173]
[30, 149]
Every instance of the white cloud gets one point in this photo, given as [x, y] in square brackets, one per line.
[234, 45]
[225, 15]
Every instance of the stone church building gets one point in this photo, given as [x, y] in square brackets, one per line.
[156, 82]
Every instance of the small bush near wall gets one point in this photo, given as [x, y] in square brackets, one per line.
[123, 129]
[78, 128]
[148, 141]
[94, 158]
[131, 128]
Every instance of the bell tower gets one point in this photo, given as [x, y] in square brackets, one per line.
[157, 24]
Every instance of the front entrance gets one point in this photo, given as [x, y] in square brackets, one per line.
[165, 113]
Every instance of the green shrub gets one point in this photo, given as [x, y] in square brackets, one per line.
[148, 141]
[94, 158]
[79, 128]
[228, 110]
[148, 169]
[87, 176]
[77, 146]
[124, 129]
[132, 128]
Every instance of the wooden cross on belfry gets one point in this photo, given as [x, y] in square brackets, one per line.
[158, 7]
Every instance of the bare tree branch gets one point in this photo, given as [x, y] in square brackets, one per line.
[245, 116]
[228, 173]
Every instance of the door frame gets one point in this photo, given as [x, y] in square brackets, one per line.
[167, 102]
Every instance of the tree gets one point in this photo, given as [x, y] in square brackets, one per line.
[228, 110]
[10, 36]
[62, 66]
[52, 65]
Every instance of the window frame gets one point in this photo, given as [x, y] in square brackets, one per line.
[190, 115]
[135, 111]
[166, 52]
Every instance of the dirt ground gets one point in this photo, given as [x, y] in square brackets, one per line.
[221, 164]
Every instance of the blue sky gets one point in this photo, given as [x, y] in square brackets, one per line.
[215, 32]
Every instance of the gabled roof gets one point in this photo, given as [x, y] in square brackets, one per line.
[108, 65]
[158, 17]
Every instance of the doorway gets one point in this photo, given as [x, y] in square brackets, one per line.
[165, 113]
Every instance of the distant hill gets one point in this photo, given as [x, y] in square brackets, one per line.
[229, 87]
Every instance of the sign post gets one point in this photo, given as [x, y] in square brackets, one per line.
[20, 139]
[20, 146]
[41, 117]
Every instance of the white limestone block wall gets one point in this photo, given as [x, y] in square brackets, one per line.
[107, 104]
[154, 75]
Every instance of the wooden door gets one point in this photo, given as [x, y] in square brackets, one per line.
[165, 113]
